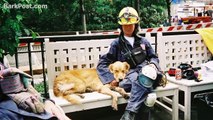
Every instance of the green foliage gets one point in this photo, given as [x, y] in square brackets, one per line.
[10, 29]
[59, 16]
[11, 26]
[100, 15]
[152, 16]
[65, 15]
[40, 87]
[103, 26]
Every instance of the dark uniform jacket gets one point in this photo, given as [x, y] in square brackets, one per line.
[116, 53]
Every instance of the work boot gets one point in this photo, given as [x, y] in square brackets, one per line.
[144, 113]
[128, 115]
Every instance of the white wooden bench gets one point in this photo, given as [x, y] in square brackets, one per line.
[66, 55]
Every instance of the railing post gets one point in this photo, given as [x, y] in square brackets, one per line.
[44, 69]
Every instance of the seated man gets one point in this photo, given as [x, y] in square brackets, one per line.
[23, 102]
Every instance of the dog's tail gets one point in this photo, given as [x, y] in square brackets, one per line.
[73, 98]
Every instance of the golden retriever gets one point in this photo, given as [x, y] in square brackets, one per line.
[70, 84]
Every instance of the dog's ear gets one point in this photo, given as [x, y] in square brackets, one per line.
[111, 68]
[127, 66]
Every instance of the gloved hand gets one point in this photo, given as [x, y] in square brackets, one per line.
[28, 101]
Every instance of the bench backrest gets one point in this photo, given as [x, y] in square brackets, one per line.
[171, 49]
[185, 48]
[68, 55]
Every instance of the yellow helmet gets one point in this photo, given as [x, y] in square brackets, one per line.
[127, 16]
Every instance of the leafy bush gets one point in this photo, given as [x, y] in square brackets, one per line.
[11, 26]
[40, 88]
[65, 15]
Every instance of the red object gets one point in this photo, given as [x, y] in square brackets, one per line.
[193, 20]
[150, 30]
[171, 71]
[171, 28]
[160, 29]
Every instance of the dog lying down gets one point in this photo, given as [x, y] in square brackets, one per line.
[70, 84]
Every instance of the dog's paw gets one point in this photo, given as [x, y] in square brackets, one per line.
[65, 87]
[115, 106]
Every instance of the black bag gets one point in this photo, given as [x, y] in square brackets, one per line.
[139, 55]
[135, 56]
[188, 72]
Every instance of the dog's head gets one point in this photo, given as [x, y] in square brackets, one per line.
[119, 70]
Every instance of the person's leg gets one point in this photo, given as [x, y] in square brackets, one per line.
[144, 113]
[137, 96]
[8, 115]
[55, 110]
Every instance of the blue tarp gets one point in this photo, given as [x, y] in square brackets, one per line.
[176, 1]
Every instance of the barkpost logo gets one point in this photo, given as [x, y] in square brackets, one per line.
[24, 6]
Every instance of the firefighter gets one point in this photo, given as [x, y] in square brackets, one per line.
[138, 52]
